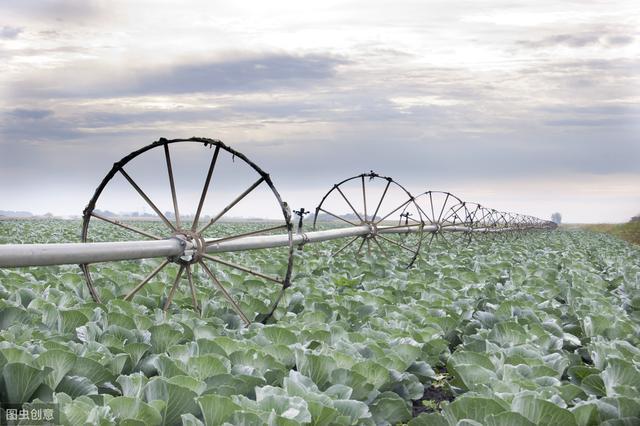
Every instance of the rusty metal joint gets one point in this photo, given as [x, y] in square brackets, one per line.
[373, 230]
[305, 239]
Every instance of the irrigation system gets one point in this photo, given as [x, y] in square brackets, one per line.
[372, 214]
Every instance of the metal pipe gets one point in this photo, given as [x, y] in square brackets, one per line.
[16, 255]
[270, 241]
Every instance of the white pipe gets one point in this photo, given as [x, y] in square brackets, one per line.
[16, 255]
[13, 255]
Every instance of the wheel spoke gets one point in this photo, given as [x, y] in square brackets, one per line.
[194, 298]
[337, 217]
[396, 243]
[345, 246]
[153, 273]
[468, 236]
[125, 226]
[242, 268]
[361, 244]
[146, 198]
[205, 188]
[471, 217]
[445, 239]
[482, 215]
[484, 220]
[233, 203]
[368, 246]
[384, 193]
[225, 293]
[364, 198]
[433, 213]
[433, 234]
[453, 213]
[173, 288]
[380, 246]
[167, 156]
[395, 210]
[246, 234]
[443, 206]
[348, 202]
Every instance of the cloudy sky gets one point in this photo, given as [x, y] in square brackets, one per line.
[523, 106]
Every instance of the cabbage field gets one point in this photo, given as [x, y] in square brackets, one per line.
[543, 328]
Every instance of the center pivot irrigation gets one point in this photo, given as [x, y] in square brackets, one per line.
[372, 214]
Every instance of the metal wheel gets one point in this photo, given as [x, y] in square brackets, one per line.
[514, 223]
[499, 224]
[380, 204]
[445, 216]
[476, 220]
[232, 187]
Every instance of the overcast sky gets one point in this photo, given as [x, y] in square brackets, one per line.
[523, 106]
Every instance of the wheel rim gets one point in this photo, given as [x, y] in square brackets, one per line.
[442, 210]
[196, 266]
[376, 201]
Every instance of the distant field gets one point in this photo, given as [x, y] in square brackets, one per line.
[627, 231]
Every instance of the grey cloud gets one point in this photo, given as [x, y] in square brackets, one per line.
[614, 116]
[614, 111]
[41, 51]
[9, 32]
[35, 125]
[590, 122]
[571, 40]
[578, 40]
[620, 40]
[428, 142]
[361, 129]
[413, 148]
[422, 156]
[97, 120]
[262, 73]
[50, 34]
[258, 111]
[35, 114]
[620, 66]
[587, 81]
[56, 10]
[243, 75]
